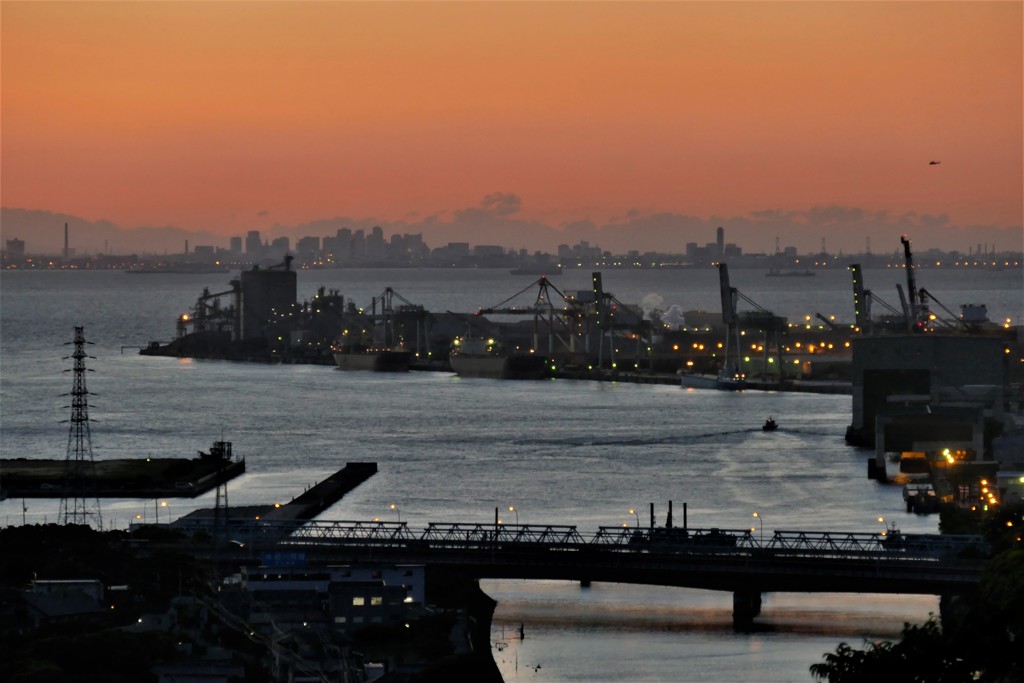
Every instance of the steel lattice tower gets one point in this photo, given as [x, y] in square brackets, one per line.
[75, 507]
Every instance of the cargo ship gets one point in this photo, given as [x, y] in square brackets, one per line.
[487, 358]
[374, 360]
[723, 380]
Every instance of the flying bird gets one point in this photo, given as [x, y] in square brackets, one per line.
[934, 163]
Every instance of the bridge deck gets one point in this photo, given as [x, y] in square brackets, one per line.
[720, 559]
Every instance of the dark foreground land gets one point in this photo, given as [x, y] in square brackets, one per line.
[162, 609]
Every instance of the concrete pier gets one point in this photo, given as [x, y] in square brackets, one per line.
[745, 606]
[324, 494]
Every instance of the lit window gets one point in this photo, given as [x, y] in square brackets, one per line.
[376, 601]
[358, 602]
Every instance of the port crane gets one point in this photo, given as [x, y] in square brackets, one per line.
[915, 315]
[558, 328]
[760, 319]
[567, 320]
[389, 326]
[915, 305]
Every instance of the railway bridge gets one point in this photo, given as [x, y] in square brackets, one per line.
[739, 561]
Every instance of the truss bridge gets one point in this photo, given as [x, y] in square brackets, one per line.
[735, 560]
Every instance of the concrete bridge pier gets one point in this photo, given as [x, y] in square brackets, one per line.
[745, 606]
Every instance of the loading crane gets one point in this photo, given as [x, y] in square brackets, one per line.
[863, 299]
[387, 326]
[760, 318]
[916, 309]
[560, 328]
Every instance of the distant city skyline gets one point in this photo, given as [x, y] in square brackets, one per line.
[633, 125]
[85, 238]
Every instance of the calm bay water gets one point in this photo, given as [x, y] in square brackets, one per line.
[450, 449]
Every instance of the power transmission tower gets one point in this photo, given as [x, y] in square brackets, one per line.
[75, 506]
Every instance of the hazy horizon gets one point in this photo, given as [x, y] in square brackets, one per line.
[844, 230]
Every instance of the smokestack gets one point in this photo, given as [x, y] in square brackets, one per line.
[684, 517]
[65, 240]
[668, 520]
[652, 515]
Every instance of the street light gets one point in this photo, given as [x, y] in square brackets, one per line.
[760, 526]
[163, 504]
[397, 512]
[633, 512]
[512, 508]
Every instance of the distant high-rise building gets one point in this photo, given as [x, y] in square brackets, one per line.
[375, 245]
[720, 240]
[253, 243]
[15, 249]
[358, 245]
[236, 246]
[280, 246]
[308, 248]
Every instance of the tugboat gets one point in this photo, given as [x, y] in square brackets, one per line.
[770, 425]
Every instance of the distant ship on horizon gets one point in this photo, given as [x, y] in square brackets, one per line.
[772, 272]
[555, 269]
[178, 269]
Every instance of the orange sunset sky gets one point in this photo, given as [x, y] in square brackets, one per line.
[228, 116]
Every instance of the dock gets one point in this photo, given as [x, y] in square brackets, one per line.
[323, 495]
[118, 478]
[301, 509]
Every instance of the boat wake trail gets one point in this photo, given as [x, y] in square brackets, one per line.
[678, 439]
[809, 432]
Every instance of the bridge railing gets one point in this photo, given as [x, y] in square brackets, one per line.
[462, 533]
[845, 543]
[376, 530]
[476, 535]
[890, 543]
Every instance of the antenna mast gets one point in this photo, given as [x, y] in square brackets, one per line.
[79, 465]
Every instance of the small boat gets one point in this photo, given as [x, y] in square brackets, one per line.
[770, 425]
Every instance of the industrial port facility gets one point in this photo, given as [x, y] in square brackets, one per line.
[924, 378]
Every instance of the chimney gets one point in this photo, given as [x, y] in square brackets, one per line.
[66, 252]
